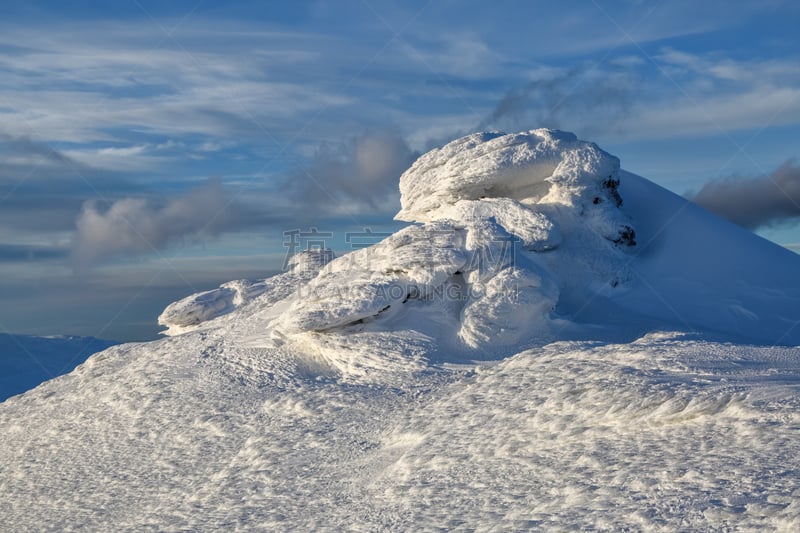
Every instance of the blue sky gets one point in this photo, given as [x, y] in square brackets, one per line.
[149, 150]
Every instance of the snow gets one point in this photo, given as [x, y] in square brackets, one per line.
[554, 343]
[708, 274]
[530, 166]
[185, 314]
[197, 432]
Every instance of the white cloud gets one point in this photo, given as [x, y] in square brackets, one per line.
[453, 54]
[772, 71]
[138, 226]
[59, 84]
[357, 175]
[689, 95]
[710, 114]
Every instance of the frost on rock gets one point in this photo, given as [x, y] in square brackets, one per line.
[409, 264]
[490, 208]
[536, 230]
[538, 167]
[185, 314]
[310, 261]
[509, 307]
[504, 225]
[199, 307]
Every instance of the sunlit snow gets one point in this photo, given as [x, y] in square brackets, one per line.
[552, 343]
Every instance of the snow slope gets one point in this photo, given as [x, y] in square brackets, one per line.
[709, 274]
[556, 343]
[26, 361]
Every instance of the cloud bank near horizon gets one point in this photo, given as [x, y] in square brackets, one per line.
[140, 226]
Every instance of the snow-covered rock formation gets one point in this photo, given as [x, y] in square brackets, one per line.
[184, 315]
[552, 343]
[492, 210]
[519, 239]
[523, 177]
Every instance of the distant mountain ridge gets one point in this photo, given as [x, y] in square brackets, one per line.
[27, 360]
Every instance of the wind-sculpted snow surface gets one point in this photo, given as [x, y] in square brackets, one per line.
[198, 432]
[517, 358]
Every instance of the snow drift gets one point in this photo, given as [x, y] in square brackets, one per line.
[551, 343]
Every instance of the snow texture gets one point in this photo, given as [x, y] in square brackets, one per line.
[518, 358]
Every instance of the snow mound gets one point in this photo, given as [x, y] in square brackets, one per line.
[197, 433]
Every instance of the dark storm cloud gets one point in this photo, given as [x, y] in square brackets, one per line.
[752, 203]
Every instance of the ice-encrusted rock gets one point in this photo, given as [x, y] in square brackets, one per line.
[536, 229]
[311, 261]
[410, 263]
[199, 307]
[510, 306]
[526, 166]
[538, 167]
[484, 203]
[182, 315]
[500, 219]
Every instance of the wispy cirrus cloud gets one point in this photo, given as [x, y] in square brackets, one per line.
[667, 95]
[89, 84]
[716, 66]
